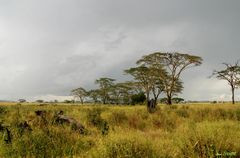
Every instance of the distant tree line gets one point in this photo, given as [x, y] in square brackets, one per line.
[109, 92]
[154, 74]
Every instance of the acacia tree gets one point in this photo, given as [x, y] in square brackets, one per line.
[177, 100]
[142, 75]
[94, 95]
[149, 79]
[121, 93]
[174, 63]
[105, 85]
[231, 74]
[80, 93]
[134, 87]
[172, 88]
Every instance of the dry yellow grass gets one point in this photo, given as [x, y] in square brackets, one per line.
[187, 130]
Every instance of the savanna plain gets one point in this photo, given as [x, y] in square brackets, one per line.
[114, 131]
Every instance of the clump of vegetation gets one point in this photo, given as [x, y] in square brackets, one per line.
[95, 119]
[139, 98]
[3, 110]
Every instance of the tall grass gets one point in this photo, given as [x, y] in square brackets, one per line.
[122, 131]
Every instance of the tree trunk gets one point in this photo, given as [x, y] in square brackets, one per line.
[104, 100]
[155, 100]
[81, 101]
[233, 100]
[169, 99]
[156, 96]
[151, 106]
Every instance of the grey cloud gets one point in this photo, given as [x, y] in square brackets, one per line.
[50, 47]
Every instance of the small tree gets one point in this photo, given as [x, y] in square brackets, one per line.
[105, 85]
[142, 75]
[80, 93]
[150, 79]
[231, 74]
[177, 100]
[121, 93]
[94, 95]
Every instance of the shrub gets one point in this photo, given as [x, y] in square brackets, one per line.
[139, 98]
[94, 118]
[3, 110]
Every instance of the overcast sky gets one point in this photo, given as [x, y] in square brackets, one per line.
[48, 47]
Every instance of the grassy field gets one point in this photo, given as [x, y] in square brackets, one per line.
[190, 130]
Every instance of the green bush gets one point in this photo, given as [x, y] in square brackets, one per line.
[139, 98]
[94, 116]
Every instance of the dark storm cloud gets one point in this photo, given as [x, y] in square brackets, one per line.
[49, 47]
